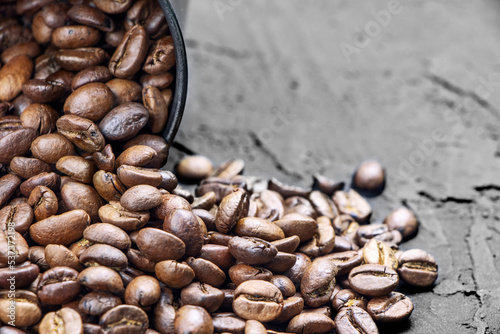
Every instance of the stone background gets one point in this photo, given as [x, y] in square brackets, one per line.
[269, 83]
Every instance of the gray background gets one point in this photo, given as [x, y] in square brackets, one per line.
[270, 84]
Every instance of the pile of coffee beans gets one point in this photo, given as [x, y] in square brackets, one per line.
[96, 238]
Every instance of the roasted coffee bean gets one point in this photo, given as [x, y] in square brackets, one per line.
[259, 228]
[258, 300]
[16, 143]
[8, 124]
[98, 303]
[51, 147]
[133, 176]
[91, 17]
[232, 208]
[76, 195]
[354, 320]
[60, 256]
[369, 176]
[418, 268]
[323, 205]
[124, 90]
[326, 185]
[184, 225]
[92, 101]
[194, 167]
[206, 272]
[346, 226]
[378, 252]
[104, 233]
[137, 155]
[345, 261]
[297, 224]
[310, 323]
[13, 75]
[160, 81]
[243, 272]
[253, 251]
[63, 77]
[108, 186]
[143, 291]
[203, 295]
[113, 6]
[124, 318]
[43, 91]
[254, 326]
[113, 213]
[402, 220]
[217, 254]
[27, 311]
[193, 319]
[286, 190]
[284, 284]
[159, 245]
[29, 167]
[287, 245]
[161, 56]
[367, 232]
[130, 54]
[391, 308]
[12, 252]
[373, 279]
[17, 216]
[75, 36]
[323, 242]
[140, 198]
[292, 307]
[26, 6]
[174, 274]
[8, 186]
[228, 322]
[18, 276]
[78, 168]
[296, 273]
[138, 259]
[348, 298]
[40, 117]
[104, 255]
[101, 278]
[62, 229]
[351, 203]
[81, 58]
[318, 282]
[124, 121]
[91, 75]
[54, 14]
[157, 107]
[301, 205]
[36, 255]
[30, 49]
[229, 169]
[45, 65]
[49, 180]
[58, 285]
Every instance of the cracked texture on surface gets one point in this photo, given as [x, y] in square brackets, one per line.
[270, 85]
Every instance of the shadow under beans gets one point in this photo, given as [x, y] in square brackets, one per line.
[394, 328]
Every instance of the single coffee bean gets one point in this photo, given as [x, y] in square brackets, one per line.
[113, 6]
[345, 261]
[51, 147]
[43, 90]
[30, 49]
[105, 160]
[391, 308]
[194, 167]
[292, 307]
[241, 272]
[301, 205]
[228, 322]
[318, 282]
[296, 273]
[104, 233]
[124, 121]
[284, 284]
[81, 58]
[287, 245]
[251, 251]
[254, 326]
[58, 285]
[41, 117]
[286, 190]
[49, 180]
[203, 295]
[143, 291]
[323, 242]
[90, 16]
[157, 108]
[369, 176]
[133, 176]
[8, 186]
[45, 65]
[62, 229]
[402, 220]
[92, 101]
[18, 276]
[259, 228]
[27, 311]
[130, 54]
[351, 203]
[29, 167]
[232, 208]
[159, 245]
[104, 255]
[229, 169]
[36, 255]
[174, 274]
[418, 268]
[348, 298]
[108, 186]
[217, 254]
[125, 90]
[367, 232]
[90, 75]
[76, 195]
[138, 259]
[54, 14]
[124, 319]
[323, 205]
[161, 57]
[16, 216]
[373, 279]
[101, 278]
[16, 143]
[78, 168]
[75, 36]
[115, 214]
[98, 303]
[193, 319]
[269, 205]
[184, 225]
[207, 272]
[258, 300]
[310, 323]
[378, 252]
[60, 256]
[354, 320]
[160, 81]
[164, 312]
[13, 75]
[137, 155]
[297, 224]
[141, 197]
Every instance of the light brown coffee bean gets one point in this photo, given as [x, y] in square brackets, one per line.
[174, 274]
[258, 300]
[13, 75]
[62, 229]
[115, 214]
[92, 101]
[108, 186]
[159, 245]
[101, 278]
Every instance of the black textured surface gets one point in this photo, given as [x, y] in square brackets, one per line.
[269, 84]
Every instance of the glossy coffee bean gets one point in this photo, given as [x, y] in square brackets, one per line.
[132, 175]
[82, 132]
[206, 272]
[92, 101]
[157, 107]
[241, 272]
[194, 167]
[174, 274]
[259, 228]
[160, 81]
[40, 117]
[378, 252]
[258, 300]
[323, 242]
[228, 322]
[108, 186]
[49, 180]
[125, 90]
[13, 75]
[51, 147]
[287, 245]
[130, 54]
[284, 284]
[193, 319]
[62, 229]
[391, 308]
[369, 176]
[76, 195]
[137, 155]
[402, 220]
[143, 291]
[367, 232]
[78, 168]
[27, 311]
[418, 268]
[124, 121]
[159, 245]
[16, 216]
[251, 251]
[310, 323]
[373, 279]
[141, 197]
[60, 256]
[348, 298]
[13, 248]
[323, 204]
[184, 225]
[44, 91]
[28, 167]
[8, 185]
[81, 58]
[30, 49]
[75, 36]
[351, 203]
[281, 262]
[90, 75]
[296, 273]
[124, 319]
[101, 278]
[232, 208]
[318, 282]
[90, 16]
[104, 255]
[16, 143]
[161, 57]
[18, 276]
[297, 224]
[292, 307]
[203, 295]
[98, 303]
[112, 6]
[105, 160]
[58, 285]
[345, 261]
[138, 259]
[354, 320]
[115, 214]
[286, 190]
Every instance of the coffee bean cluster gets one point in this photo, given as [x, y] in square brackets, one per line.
[96, 238]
